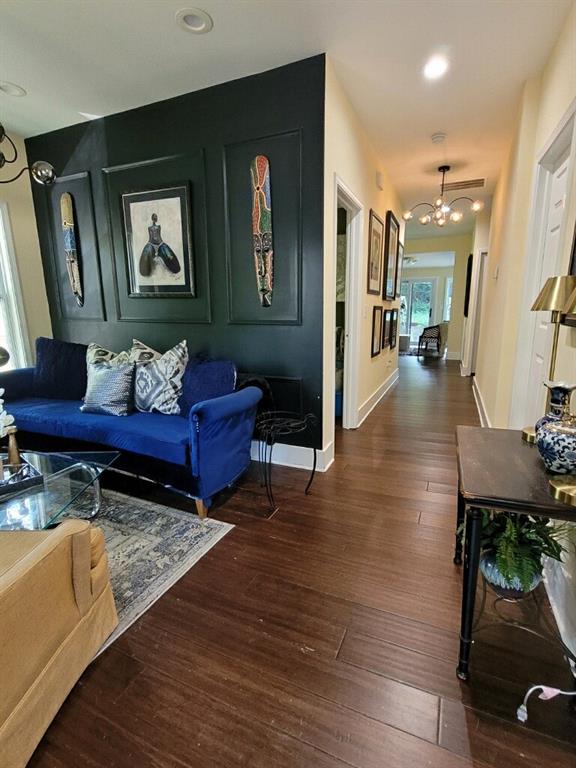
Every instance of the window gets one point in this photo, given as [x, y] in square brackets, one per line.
[13, 329]
[448, 299]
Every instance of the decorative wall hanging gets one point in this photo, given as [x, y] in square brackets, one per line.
[399, 265]
[262, 242]
[386, 328]
[376, 331]
[375, 244]
[159, 242]
[70, 250]
[393, 328]
[390, 256]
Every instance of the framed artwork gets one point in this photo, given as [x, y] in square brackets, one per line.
[391, 243]
[469, 264]
[399, 267]
[393, 328]
[386, 328]
[158, 235]
[375, 243]
[376, 330]
[571, 319]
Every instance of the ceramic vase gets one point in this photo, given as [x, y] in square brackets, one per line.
[556, 441]
[558, 402]
[510, 590]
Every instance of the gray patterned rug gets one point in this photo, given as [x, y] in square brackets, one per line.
[149, 547]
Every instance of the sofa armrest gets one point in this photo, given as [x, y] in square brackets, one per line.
[220, 438]
[18, 383]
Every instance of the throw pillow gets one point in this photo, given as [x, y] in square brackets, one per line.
[110, 389]
[205, 379]
[158, 383]
[98, 354]
[60, 369]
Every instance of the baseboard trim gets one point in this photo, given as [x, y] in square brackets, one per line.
[368, 405]
[465, 370]
[453, 356]
[480, 407]
[298, 456]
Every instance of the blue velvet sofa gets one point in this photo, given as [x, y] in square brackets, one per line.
[200, 453]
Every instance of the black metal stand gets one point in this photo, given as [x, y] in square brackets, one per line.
[471, 564]
[269, 427]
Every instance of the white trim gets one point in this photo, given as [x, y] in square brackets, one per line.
[18, 326]
[480, 407]
[453, 355]
[368, 405]
[344, 197]
[477, 281]
[298, 456]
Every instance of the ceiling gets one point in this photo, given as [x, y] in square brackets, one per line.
[106, 56]
[429, 260]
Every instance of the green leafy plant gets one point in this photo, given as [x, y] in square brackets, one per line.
[518, 543]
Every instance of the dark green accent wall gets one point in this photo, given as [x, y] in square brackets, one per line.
[206, 139]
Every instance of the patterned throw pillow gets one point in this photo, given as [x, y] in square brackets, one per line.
[158, 383]
[98, 354]
[110, 389]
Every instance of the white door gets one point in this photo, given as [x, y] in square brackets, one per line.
[549, 265]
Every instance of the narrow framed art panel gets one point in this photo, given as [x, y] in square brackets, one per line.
[386, 328]
[376, 331]
[393, 328]
[390, 256]
[375, 250]
[399, 266]
[158, 235]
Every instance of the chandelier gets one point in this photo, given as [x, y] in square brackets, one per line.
[441, 211]
[41, 171]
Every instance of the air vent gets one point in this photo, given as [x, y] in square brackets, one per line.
[453, 186]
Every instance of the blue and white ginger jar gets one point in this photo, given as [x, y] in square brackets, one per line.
[556, 441]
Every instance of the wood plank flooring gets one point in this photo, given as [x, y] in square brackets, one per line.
[325, 636]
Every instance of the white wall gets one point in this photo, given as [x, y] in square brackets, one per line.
[18, 197]
[350, 156]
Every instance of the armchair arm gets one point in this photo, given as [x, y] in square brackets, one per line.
[18, 383]
[220, 437]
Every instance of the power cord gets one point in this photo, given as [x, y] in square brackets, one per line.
[546, 693]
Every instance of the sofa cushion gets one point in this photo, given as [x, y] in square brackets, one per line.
[204, 380]
[151, 434]
[60, 369]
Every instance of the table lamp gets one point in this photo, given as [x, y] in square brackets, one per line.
[558, 296]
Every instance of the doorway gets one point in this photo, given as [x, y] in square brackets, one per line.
[340, 338]
[416, 307]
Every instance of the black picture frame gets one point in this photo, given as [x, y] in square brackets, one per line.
[399, 265]
[376, 331]
[571, 319]
[171, 205]
[375, 251]
[393, 328]
[391, 248]
[386, 328]
[469, 265]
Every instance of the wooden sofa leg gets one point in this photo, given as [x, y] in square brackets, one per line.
[201, 509]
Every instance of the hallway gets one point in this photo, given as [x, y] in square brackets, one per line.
[326, 635]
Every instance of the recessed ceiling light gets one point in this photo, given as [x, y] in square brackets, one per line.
[194, 20]
[436, 67]
[11, 89]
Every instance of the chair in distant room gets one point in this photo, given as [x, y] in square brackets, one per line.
[430, 340]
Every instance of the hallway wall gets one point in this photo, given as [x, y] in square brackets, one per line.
[462, 247]
[349, 154]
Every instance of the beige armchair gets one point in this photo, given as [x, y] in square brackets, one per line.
[56, 610]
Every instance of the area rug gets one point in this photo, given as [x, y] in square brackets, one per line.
[149, 547]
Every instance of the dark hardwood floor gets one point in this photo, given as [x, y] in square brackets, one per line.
[326, 636]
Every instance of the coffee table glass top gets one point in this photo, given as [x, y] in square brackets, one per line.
[65, 478]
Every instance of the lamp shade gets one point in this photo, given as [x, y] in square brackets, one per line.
[570, 306]
[555, 294]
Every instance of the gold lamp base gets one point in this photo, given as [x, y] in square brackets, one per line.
[529, 435]
[563, 488]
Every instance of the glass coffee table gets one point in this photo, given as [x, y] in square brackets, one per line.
[65, 478]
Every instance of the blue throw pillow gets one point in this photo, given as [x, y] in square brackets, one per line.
[205, 379]
[60, 369]
[110, 389]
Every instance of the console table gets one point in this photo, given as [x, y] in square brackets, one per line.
[497, 470]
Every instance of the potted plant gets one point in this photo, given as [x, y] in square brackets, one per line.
[512, 548]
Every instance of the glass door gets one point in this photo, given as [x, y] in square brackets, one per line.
[416, 307]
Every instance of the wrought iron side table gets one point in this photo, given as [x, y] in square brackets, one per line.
[271, 425]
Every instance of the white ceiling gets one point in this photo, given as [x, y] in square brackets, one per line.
[429, 260]
[105, 56]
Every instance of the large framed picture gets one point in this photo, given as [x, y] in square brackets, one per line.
[376, 331]
[386, 328]
[158, 235]
[399, 266]
[375, 245]
[391, 243]
[393, 328]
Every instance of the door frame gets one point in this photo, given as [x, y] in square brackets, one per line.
[345, 198]
[433, 305]
[562, 140]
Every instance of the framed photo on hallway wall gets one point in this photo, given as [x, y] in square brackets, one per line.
[399, 265]
[375, 247]
[391, 243]
[386, 328]
[376, 331]
[393, 328]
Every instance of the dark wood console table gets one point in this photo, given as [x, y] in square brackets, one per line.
[500, 471]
